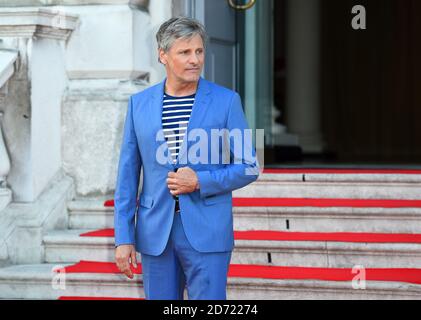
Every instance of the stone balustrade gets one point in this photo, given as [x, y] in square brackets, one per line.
[7, 60]
[33, 79]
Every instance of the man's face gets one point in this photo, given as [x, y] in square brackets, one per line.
[184, 61]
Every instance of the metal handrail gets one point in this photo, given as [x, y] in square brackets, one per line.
[246, 6]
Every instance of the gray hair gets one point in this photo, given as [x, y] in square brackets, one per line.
[179, 28]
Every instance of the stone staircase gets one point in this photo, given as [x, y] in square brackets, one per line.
[402, 215]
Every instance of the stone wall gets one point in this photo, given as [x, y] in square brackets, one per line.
[66, 105]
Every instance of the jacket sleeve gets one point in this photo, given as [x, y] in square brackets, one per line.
[128, 176]
[245, 168]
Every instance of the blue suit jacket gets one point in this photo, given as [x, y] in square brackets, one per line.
[206, 213]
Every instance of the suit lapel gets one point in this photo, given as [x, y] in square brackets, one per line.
[155, 110]
[201, 101]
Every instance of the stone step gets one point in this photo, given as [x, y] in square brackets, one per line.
[69, 246]
[331, 189]
[335, 183]
[92, 214]
[40, 282]
[333, 186]
[375, 175]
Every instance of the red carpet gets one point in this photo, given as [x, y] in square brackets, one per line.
[99, 233]
[96, 298]
[303, 236]
[109, 203]
[97, 267]
[276, 272]
[308, 202]
[408, 275]
[316, 202]
[329, 274]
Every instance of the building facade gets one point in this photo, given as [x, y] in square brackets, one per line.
[68, 67]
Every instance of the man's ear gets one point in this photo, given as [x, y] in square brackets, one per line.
[161, 57]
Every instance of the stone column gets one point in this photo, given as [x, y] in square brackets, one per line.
[5, 193]
[108, 58]
[303, 73]
[32, 110]
[7, 68]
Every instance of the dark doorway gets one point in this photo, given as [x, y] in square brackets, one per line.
[370, 101]
[371, 80]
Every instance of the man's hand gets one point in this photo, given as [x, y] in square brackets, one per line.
[183, 181]
[122, 255]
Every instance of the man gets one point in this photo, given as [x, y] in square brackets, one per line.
[184, 222]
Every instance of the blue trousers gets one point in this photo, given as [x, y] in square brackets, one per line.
[180, 265]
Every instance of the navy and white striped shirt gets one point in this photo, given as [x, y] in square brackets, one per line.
[176, 113]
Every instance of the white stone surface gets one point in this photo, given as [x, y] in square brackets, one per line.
[92, 214]
[65, 245]
[40, 282]
[36, 22]
[331, 219]
[400, 180]
[99, 49]
[23, 225]
[267, 289]
[106, 63]
[5, 197]
[7, 60]
[7, 68]
[48, 82]
[352, 186]
[302, 175]
[332, 189]
[91, 148]
[33, 103]
[19, 3]
[36, 282]
[160, 11]
[68, 246]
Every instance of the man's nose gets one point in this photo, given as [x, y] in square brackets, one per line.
[194, 59]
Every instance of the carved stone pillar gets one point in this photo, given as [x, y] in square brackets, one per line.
[7, 60]
[5, 193]
[33, 105]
